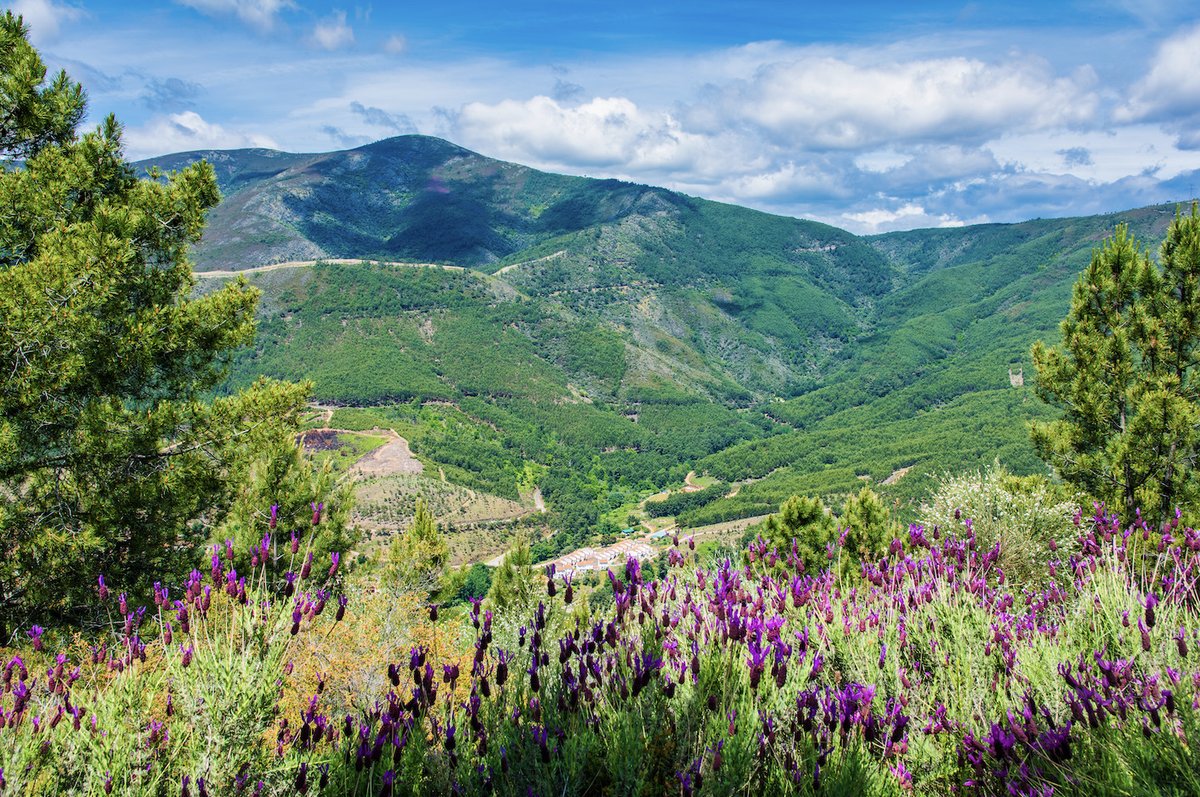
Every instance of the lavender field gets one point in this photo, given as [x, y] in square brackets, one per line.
[926, 671]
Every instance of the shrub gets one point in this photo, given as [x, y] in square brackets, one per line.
[1025, 514]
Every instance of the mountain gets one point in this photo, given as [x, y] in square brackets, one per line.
[764, 301]
[605, 338]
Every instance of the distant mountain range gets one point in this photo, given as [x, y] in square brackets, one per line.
[637, 323]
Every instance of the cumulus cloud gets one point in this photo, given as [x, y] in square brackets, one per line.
[332, 33]
[906, 216]
[399, 123]
[45, 18]
[607, 131]
[1170, 90]
[186, 131]
[261, 14]
[792, 181]
[832, 103]
[866, 141]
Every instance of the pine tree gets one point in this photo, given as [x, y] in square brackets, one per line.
[420, 555]
[512, 584]
[806, 521]
[1125, 376]
[113, 458]
[868, 528]
[289, 496]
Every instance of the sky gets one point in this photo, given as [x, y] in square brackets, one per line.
[872, 116]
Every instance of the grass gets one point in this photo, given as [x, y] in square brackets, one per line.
[342, 449]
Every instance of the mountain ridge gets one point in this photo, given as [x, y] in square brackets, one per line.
[614, 336]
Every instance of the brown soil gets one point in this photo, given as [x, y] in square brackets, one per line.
[393, 457]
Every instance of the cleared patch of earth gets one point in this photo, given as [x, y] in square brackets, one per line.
[730, 530]
[897, 475]
[392, 458]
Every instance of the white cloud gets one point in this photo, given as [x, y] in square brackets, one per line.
[332, 33]
[604, 132]
[788, 181]
[902, 218]
[181, 132]
[881, 160]
[45, 18]
[824, 102]
[1170, 90]
[261, 14]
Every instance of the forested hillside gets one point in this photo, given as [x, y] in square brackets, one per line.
[608, 337]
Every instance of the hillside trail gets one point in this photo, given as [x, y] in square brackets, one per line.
[326, 412]
[308, 263]
[509, 268]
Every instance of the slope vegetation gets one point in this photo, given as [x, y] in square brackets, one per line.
[602, 338]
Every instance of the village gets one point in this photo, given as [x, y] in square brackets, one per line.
[587, 560]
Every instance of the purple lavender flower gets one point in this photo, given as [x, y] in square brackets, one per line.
[341, 610]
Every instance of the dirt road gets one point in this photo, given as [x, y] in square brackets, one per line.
[308, 263]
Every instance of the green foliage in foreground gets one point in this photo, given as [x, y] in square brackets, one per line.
[111, 451]
[919, 672]
[1126, 376]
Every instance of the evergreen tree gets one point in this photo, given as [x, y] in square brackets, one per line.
[420, 555]
[287, 497]
[1125, 376]
[868, 527]
[806, 521]
[112, 458]
[512, 583]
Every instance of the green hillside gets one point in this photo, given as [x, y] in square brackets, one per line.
[606, 337]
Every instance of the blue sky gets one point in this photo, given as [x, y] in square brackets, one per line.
[869, 115]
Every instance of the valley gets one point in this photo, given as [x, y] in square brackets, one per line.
[602, 340]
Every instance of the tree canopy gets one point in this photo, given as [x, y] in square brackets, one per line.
[113, 457]
[1125, 378]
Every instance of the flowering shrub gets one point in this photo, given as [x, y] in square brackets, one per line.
[1023, 513]
[922, 672]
